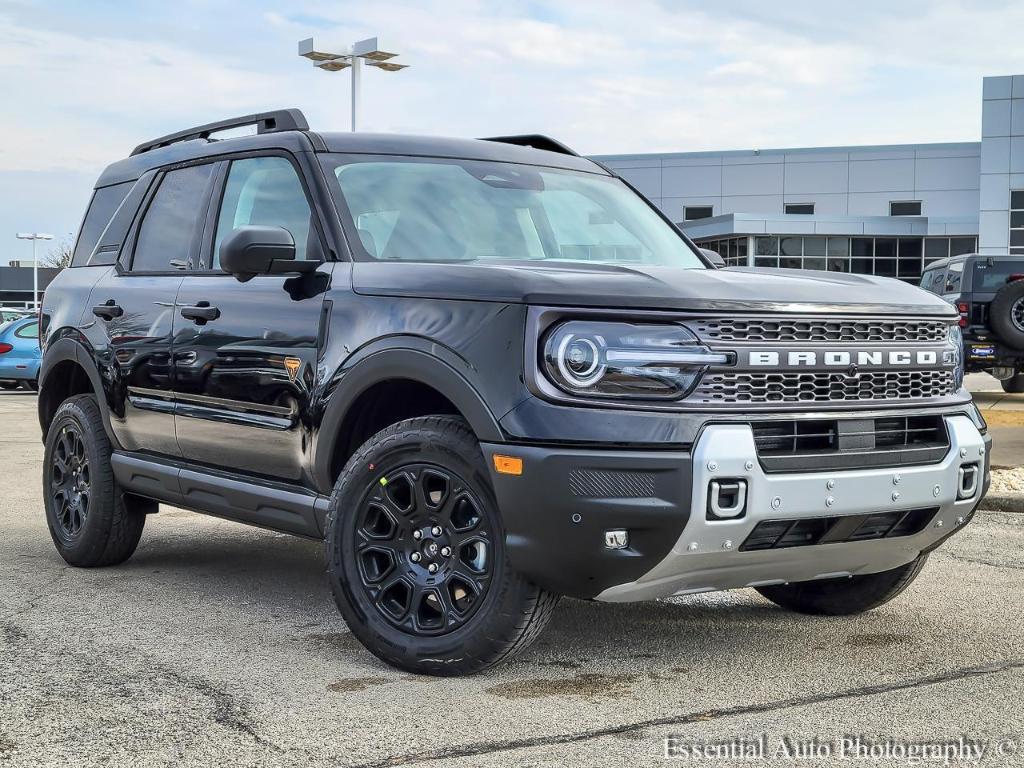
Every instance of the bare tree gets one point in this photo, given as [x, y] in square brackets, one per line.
[60, 255]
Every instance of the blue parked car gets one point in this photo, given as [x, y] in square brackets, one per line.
[19, 353]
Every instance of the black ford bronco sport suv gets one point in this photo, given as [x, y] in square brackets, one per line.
[988, 293]
[487, 373]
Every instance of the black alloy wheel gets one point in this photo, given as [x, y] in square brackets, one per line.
[91, 521]
[70, 486]
[423, 546]
[416, 557]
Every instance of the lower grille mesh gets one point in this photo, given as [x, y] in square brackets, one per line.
[822, 387]
[782, 534]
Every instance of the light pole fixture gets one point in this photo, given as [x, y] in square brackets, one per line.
[34, 237]
[367, 52]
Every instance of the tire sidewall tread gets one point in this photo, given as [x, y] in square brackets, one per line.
[112, 530]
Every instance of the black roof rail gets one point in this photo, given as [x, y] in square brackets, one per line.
[534, 140]
[265, 122]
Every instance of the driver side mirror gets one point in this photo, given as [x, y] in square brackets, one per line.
[714, 257]
[254, 250]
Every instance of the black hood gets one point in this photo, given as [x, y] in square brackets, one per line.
[647, 287]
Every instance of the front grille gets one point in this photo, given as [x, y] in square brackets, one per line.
[818, 329]
[782, 534]
[756, 387]
[822, 444]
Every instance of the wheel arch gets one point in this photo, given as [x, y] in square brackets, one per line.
[67, 369]
[410, 382]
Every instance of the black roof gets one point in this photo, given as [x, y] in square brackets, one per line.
[288, 134]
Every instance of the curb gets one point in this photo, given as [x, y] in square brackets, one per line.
[993, 503]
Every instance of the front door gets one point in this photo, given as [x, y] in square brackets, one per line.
[245, 354]
[130, 316]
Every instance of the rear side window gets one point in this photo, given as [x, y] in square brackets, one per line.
[956, 271]
[28, 331]
[104, 203]
[168, 228]
[933, 280]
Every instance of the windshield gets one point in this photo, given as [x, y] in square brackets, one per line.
[433, 209]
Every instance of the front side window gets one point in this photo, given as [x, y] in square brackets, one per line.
[165, 237]
[264, 191]
[440, 210]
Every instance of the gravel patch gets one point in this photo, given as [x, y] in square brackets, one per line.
[1007, 482]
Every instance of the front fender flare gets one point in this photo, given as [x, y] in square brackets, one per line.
[437, 368]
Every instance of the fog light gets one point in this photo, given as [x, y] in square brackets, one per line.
[617, 539]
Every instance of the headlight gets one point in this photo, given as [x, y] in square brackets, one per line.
[623, 360]
[956, 340]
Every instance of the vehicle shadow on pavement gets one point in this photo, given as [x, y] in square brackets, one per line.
[286, 577]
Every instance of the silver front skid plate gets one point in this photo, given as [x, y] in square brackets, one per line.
[707, 556]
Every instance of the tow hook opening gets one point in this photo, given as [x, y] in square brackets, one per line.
[968, 484]
[727, 499]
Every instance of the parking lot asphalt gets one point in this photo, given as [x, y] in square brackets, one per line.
[219, 644]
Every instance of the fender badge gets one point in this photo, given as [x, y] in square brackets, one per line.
[292, 365]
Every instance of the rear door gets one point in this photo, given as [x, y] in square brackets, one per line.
[129, 320]
[245, 354]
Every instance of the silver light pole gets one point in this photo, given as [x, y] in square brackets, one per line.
[351, 57]
[34, 237]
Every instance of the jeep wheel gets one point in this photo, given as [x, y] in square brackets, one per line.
[847, 596]
[90, 521]
[1014, 384]
[416, 554]
[1006, 314]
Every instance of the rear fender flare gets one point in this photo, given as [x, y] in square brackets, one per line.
[64, 349]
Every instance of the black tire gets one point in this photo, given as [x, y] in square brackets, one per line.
[1013, 385]
[844, 597]
[1006, 314]
[9, 384]
[408, 478]
[96, 526]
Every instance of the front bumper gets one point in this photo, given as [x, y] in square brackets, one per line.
[557, 511]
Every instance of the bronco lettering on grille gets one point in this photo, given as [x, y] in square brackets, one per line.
[846, 358]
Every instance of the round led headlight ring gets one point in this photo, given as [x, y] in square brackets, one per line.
[579, 360]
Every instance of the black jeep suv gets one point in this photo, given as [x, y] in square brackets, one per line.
[988, 292]
[487, 373]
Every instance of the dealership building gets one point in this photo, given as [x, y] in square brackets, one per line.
[884, 210]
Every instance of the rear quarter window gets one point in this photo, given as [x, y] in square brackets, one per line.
[104, 203]
[28, 331]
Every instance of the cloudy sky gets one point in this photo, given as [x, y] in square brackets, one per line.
[83, 82]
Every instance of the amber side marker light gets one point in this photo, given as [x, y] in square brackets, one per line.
[508, 465]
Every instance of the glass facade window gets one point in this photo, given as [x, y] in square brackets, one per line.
[905, 208]
[732, 249]
[800, 208]
[692, 212]
[901, 257]
[1017, 221]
